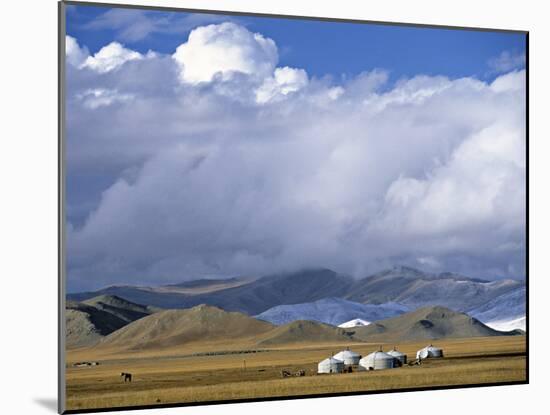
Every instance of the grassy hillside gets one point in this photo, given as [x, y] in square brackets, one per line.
[177, 327]
[88, 322]
[204, 325]
[425, 323]
[303, 331]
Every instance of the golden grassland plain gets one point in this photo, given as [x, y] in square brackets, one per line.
[179, 375]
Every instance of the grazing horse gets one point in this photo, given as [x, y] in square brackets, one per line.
[127, 377]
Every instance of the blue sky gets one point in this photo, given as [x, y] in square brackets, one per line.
[247, 146]
[322, 48]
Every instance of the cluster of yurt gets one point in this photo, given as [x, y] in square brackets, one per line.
[429, 351]
[340, 362]
[378, 360]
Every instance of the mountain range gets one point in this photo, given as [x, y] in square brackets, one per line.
[406, 286]
[505, 312]
[203, 324]
[414, 289]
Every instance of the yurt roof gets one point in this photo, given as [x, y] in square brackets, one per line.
[395, 352]
[379, 355]
[345, 353]
[331, 360]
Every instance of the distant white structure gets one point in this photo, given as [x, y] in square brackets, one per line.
[401, 357]
[348, 357]
[356, 322]
[429, 351]
[330, 365]
[377, 360]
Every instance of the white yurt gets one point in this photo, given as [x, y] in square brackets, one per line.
[377, 360]
[330, 365]
[401, 357]
[348, 357]
[429, 351]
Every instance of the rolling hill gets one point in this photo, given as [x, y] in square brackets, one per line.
[303, 331]
[207, 325]
[423, 324]
[123, 309]
[89, 321]
[177, 327]
[334, 311]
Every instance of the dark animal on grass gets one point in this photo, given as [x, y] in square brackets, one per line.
[127, 377]
[285, 373]
[300, 373]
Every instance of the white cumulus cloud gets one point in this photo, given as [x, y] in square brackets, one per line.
[224, 49]
[74, 53]
[110, 57]
[283, 82]
[512, 81]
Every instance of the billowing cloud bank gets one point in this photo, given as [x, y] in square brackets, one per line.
[215, 161]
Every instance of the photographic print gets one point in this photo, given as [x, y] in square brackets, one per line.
[263, 207]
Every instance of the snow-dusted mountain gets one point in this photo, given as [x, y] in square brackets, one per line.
[356, 322]
[414, 288]
[332, 310]
[505, 312]
[508, 325]
[403, 285]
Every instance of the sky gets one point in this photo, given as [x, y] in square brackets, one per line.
[203, 145]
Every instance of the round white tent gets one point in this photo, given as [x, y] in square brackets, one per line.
[401, 357]
[429, 351]
[348, 357]
[377, 360]
[330, 365]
